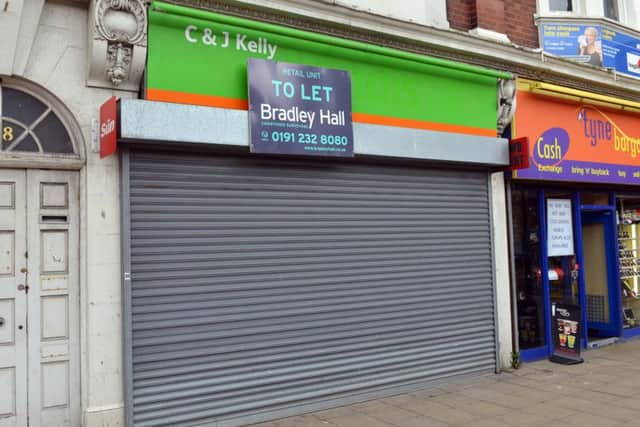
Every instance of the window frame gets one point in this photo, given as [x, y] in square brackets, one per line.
[588, 9]
[573, 7]
[46, 160]
[47, 115]
[544, 9]
[618, 6]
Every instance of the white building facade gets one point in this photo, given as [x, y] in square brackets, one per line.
[60, 222]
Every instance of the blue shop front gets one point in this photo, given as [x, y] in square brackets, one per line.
[575, 221]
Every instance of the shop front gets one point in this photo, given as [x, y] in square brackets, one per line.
[574, 215]
[307, 222]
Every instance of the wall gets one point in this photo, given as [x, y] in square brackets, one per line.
[462, 14]
[513, 18]
[520, 26]
[432, 12]
[57, 61]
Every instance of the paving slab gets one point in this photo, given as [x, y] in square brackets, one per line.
[589, 420]
[441, 412]
[604, 391]
[522, 419]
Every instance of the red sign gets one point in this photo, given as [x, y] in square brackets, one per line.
[108, 134]
[519, 153]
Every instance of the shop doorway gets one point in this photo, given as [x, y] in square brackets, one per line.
[601, 286]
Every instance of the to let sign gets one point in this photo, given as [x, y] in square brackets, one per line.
[298, 109]
[108, 133]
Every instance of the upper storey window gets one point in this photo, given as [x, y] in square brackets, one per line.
[602, 33]
[626, 12]
[611, 9]
[561, 5]
[623, 11]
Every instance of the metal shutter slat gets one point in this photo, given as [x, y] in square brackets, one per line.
[262, 285]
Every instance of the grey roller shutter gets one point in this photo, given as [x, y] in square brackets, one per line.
[264, 287]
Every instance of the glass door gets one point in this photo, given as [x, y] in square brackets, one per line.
[600, 273]
[561, 220]
[563, 280]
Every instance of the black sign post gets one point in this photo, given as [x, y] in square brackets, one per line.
[298, 109]
[566, 332]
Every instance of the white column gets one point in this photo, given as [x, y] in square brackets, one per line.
[501, 267]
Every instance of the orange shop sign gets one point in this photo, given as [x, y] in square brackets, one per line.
[573, 141]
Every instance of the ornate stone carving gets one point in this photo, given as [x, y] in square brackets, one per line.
[119, 43]
[506, 103]
[119, 59]
[122, 21]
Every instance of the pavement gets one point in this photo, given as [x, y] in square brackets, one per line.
[604, 391]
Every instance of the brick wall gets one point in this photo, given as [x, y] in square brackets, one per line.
[519, 22]
[462, 14]
[491, 15]
[511, 17]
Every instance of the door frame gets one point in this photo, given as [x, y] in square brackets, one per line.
[76, 163]
[612, 266]
[606, 215]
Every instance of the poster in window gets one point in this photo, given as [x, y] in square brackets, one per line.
[559, 228]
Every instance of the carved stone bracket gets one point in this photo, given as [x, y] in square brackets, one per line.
[118, 43]
[506, 103]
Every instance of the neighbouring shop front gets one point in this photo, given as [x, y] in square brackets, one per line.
[260, 284]
[574, 213]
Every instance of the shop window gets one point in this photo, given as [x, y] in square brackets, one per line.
[629, 259]
[561, 5]
[529, 291]
[562, 268]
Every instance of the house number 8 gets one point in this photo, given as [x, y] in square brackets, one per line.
[7, 133]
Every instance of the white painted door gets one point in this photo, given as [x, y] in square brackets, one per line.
[13, 303]
[46, 297]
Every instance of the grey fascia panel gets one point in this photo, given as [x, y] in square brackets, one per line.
[161, 121]
[398, 142]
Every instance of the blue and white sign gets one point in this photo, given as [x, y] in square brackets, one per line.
[597, 45]
[621, 52]
[298, 109]
[582, 43]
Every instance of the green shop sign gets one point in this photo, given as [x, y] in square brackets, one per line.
[200, 57]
